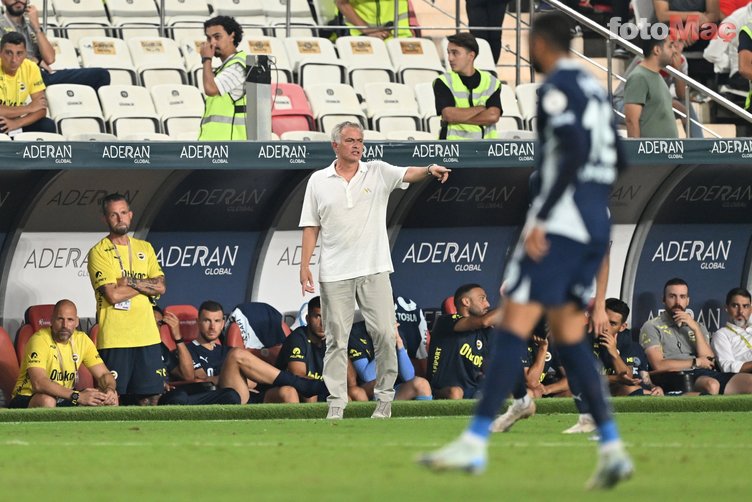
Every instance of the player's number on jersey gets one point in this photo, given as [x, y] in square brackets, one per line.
[597, 120]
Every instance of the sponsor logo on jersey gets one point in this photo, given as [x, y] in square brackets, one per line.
[710, 255]
[60, 153]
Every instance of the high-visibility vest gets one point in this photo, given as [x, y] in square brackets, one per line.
[224, 119]
[488, 85]
[379, 13]
[747, 103]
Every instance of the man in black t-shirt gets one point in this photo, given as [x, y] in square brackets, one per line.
[468, 100]
[413, 329]
[544, 374]
[460, 345]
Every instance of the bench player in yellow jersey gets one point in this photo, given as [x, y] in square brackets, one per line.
[127, 279]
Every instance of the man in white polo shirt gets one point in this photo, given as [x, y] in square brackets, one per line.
[733, 342]
[346, 204]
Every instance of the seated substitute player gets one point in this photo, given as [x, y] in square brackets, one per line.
[733, 342]
[460, 345]
[413, 329]
[544, 375]
[362, 354]
[561, 249]
[624, 361]
[49, 370]
[674, 341]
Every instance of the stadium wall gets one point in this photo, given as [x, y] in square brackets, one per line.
[223, 217]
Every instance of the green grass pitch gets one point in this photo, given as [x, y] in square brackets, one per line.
[678, 455]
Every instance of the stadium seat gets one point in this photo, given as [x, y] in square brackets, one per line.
[65, 54]
[79, 9]
[519, 134]
[180, 108]
[186, 29]
[158, 61]
[92, 136]
[270, 46]
[146, 136]
[448, 307]
[409, 136]
[391, 107]
[110, 53]
[427, 107]
[191, 47]
[36, 317]
[244, 12]
[135, 18]
[301, 20]
[511, 117]
[334, 103]
[9, 365]
[366, 61]
[415, 60]
[81, 18]
[304, 136]
[371, 135]
[75, 109]
[128, 109]
[38, 136]
[483, 61]
[527, 100]
[290, 109]
[314, 60]
[185, 13]
[188, 317]
[4, 137]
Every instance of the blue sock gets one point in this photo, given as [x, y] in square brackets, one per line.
[579, 362]
[608, 432]
[424, 398]
[504, 372]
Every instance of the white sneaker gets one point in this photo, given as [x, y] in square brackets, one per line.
[585, 425]
[613, 466]
[516, 411]
[335, 413]
[383, 410]
[461, 454]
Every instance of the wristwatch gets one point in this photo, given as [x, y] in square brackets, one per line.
[74, 398]
[204, 59]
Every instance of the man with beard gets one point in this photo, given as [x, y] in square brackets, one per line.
[733, 343]
[127, 279]
[49, 370]
[674, 341]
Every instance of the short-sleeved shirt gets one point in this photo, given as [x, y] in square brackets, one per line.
[59, 360]
[210, 360]
[7, 26]
[457, 359]
[630, 352]
[551, 365]
[352, 218]
[647, 88]
[298, 348]
[16, 90]
[444, 98]
[231, 79]
[118, 328]
[677, 343]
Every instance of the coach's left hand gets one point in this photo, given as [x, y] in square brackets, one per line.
[536, 243]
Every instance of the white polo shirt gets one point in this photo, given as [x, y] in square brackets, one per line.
[733, 347]
[352, 217]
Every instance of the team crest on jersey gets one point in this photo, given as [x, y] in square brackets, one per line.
[141, 255]
[554, 102]
[479, 344]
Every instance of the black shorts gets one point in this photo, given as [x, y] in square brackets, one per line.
[137, 370]
[723, 378]
[684, 381]
[22, 402]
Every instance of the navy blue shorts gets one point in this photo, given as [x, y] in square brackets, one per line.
[137, 370]
[723, 378]
[20, 402]
[564, 275]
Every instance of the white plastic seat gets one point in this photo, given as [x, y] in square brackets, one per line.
[427, 106]
[275, 12]
[78, 8]
[510, 110]
[128, 109]
[238, 8]
[38, 136]
[76, 29]
[334, 103]
[75, 109]
[483, 60]
[314, 60]
[410, 136]
[192, 58]
[304, 136]
[158, 61]
[415, 60]
[146, 136]
[177, 11]
[518, 134]
[144, 11]
[180, 107]
[5, 137]
[391, 107]
[371, 135]
[271, 46]
[527, 100]
[65, 54]
[184, 28]
[109, 53]
[298, 28]
[366, 60]
[92, 136]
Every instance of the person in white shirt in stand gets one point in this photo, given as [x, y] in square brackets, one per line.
[732, 343]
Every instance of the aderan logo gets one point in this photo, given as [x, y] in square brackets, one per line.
[449, 153]
[58, 258]
[296, 154]
[466, 257]
[483, 197]
[216, 260]
[728, 195]
[711, 255]
[373, 152]
[140, 154]
[711, 319]
[292, 256]
[731, 146]
[673, 149]
[523, 151]
[85, 197]
[62, 154]
[235, 201]
[219, 154]
[625, 193]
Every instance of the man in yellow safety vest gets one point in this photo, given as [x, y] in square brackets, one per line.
[375, 18]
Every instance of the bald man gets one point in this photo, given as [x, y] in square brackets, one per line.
[49, 370]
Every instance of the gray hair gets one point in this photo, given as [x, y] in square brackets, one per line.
[337, 131]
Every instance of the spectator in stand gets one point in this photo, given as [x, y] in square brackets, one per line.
[408, 386]
[705, 11]
[544, 374]
[460, 345]
[225, 107]
[624, 361]
[49, 370]
[647, 101]
[375, 18]
[23, 18]
[675, 342]
[230, 369]
[745, 60]
[23, 106]
[487, 13]
[733, 342]
[468, 100]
